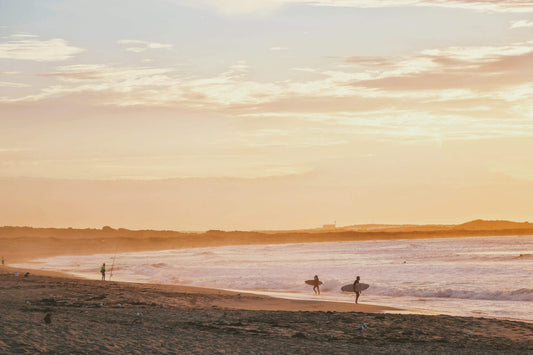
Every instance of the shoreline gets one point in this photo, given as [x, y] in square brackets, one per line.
[262, 301]
[293, 304]
[398, 306]
[268, 302]
[52, 314]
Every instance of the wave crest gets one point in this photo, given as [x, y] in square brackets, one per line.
[522, 294]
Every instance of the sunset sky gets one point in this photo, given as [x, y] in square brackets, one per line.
[234, 114]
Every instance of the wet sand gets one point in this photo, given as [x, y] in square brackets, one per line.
[88, 316]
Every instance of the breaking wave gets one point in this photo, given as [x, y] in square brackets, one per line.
[522, 294]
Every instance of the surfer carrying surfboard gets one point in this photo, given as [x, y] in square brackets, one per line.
[355, 287]
[315, 282]
[357, 293]
[316, 285]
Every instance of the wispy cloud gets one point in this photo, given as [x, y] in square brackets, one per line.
[134, 76]
[24, 35]
[455, 91]
[479, 5]
[264, 7]
[30, 48]
[7, 84]
[451, 68]
[521, 24]
[239, 7]
[10, 150]
[137, 46]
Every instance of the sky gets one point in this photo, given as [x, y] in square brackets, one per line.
[272, 114]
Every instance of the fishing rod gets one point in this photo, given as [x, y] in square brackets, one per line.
[113, 264]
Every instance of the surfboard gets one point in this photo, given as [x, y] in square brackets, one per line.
[312, 282]
[359, 287]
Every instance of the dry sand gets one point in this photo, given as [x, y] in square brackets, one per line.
[87, 316]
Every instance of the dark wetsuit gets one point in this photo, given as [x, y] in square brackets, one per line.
[316, 286]
[357, 293]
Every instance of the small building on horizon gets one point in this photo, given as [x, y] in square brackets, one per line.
[330, 227]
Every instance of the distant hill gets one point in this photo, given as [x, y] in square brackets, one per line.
[22, 243]
[480, 224]
[476, 225]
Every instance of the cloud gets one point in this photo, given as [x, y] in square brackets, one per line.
[96, 73]
[521, 24]
[455, 92]
[478, 5]
[480, 54]
[435, 75]
[410, 123]
[142, 46]
[166, 86]
[52, 50]
[10, 150]
[22, 35]
[241, 7]
[117, 84]
[429, 59]
[265, 7]
[474, 68]
[7, 84]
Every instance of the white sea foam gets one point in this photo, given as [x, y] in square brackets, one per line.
[523, 294]
[488, 276]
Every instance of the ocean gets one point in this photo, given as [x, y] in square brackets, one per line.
[477, 276]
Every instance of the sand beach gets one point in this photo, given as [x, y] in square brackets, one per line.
[64, 315]
[49, 312]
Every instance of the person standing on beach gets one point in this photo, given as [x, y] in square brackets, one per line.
[102, 271]
[316, 285]
[357, 293]
[3, 261]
